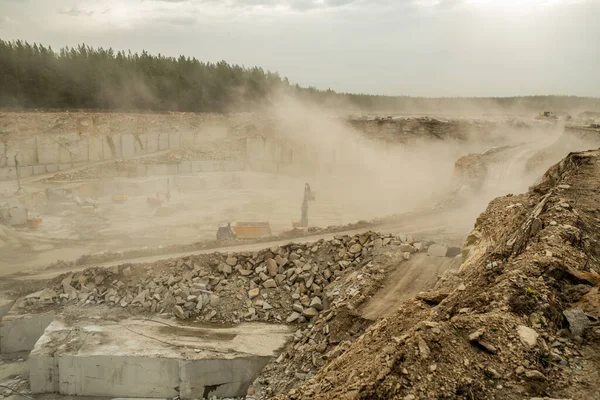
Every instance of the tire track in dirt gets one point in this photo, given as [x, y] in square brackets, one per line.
[411, 277]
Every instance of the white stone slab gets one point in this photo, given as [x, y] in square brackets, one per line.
[156, 359]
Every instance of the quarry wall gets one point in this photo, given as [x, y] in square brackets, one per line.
[49, 142]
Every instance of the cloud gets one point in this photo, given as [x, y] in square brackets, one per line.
[297, 5]
[6, 20]
[75, 12]
[177, 20]
[339, 3]
[303, 5]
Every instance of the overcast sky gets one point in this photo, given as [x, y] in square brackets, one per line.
[395, 47]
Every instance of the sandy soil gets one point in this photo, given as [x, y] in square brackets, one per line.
[419, 273]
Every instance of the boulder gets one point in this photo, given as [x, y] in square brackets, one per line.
[310, 312]
[293, 317]
[407, 248]
[178, 311]
[528, 336]
[578, 321]
[231, 261]
[270, 283]
[355, 248]
[272, 267]
[437, 250]
[316, 303]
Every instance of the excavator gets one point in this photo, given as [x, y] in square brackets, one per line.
[229, 231]
[308, 196]
[160, 198]
[546, 116]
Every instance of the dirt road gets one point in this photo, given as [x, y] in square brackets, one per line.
[449, 227]
[411, 277]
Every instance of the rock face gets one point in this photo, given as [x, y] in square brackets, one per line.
[504, 329]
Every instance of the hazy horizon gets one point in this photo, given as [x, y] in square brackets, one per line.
[421, 48]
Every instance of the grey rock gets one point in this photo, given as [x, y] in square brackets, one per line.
[270, 283]
[66, 284]
[578, 321]
[272, 267]
[178, 311]
[316, 303]
[293, 317]
[437, 250]
[528, 336]
[424, 350]
[534, 374]
[298, 307]
[355, 248]
[310, 312]
[475, 336]
[407, 248]
[231, 261]
[493, 373]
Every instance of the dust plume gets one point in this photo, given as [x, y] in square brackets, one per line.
[364, 175]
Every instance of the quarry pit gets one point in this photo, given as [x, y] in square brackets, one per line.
[130, 205]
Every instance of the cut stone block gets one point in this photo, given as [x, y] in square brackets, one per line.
[5, 306]
[21, 332]
[154, 359]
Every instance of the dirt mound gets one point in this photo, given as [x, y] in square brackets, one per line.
[519, 320]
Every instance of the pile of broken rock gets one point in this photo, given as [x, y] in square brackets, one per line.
[286, 284]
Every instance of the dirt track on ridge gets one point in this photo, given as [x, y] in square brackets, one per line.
[409, 278]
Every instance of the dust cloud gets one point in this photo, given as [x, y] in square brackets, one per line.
[372, 179]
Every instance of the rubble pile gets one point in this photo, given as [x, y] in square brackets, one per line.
[409, 129]
[106, 256]
[332, 332]
[289, 284]
[106, 170]
[520, 320]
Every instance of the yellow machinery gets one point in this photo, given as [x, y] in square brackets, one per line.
[243, 230]
[120, 198]
[546, 115]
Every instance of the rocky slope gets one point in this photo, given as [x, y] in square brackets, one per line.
[519, 321]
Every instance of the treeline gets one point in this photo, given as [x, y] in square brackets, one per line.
[35, 76]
